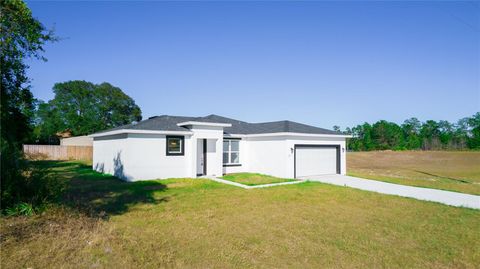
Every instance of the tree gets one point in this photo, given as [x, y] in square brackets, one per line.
[115, 107]
[474, 124]
[21, 37]
[411, 131]
[430, 133]
[354, 143]
[446, 133]
[45, 130]
[387, 135]
[347, 131]
[362, 138]
[460, 134]
[85, 108]
[366, 133]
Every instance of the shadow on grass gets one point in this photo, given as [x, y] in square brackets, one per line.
[100, 195]
[449, 178]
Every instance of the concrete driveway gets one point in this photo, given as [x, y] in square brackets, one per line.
[444, 197]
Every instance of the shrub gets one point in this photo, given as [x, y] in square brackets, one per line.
[20, 209]
[27, 183]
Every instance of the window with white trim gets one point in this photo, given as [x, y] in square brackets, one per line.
[231, 151]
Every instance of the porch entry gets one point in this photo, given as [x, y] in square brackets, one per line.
[201, 157]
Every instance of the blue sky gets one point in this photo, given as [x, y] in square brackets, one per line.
[320, 63]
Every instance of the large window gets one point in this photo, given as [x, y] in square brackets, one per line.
[175, 145]
[231, 151]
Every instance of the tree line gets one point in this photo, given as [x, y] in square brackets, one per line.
[413, 134]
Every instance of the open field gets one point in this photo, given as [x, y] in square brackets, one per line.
[106, 223]
[447, 170]
[252, 179]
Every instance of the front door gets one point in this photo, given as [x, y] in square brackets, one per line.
[201, 157]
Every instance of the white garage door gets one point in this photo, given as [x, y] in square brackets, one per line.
[315, 160]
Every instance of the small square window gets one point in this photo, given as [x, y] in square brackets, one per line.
[175, 145]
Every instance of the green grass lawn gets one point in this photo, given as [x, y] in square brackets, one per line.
[447, 170]
[103, 222]
[252, 179]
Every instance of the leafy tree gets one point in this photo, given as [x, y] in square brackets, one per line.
[446, 133]
[115, 107]
[45, 131]
[460, 134]
[362, 138]
[85, 108]
[430, 133]
[387, 135]
[474, 124]
[347, 131]
[21, 37]
[366, 132]
[411, 131]
[354, 143]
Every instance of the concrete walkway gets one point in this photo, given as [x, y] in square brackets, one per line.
[250, 187]
[444, 197]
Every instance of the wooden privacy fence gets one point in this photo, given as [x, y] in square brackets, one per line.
[55, 152]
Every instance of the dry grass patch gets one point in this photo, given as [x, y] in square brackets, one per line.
[197, 223]
[57, 238]
[448, 170]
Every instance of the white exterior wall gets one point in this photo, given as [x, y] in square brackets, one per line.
[267, 155]
[139, 157]
[109, 153]
[147, 158]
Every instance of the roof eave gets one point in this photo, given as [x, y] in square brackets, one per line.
[134, 131]
[291, 134]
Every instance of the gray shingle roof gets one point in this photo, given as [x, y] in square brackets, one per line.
[169, 123]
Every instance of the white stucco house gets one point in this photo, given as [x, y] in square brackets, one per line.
[174, 147]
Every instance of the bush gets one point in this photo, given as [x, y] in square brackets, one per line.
[24, 209]
[26, 186]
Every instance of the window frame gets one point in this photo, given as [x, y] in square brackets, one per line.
[229, 152]
[182, 145]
